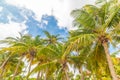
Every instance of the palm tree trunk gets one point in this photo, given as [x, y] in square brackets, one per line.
[66, 74]
[2, 67]
[30, 64]
[109, 60]
[25, 69]
[4, 63]
[82, 74]
[65, 70]
[17, 68]
[29, 69]
[38, 75]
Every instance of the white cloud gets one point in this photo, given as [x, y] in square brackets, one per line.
[11, 29]
[61, 8]
[1, 8]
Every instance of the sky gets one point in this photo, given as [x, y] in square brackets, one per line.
[35, 16]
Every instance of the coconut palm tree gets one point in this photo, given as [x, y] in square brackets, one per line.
[8, 64]
[12, 56]
[25, 46]
[97, 25]
[51, 39]
[52, 63]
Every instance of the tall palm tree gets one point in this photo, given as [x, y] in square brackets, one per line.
[97, 25]
[51, 39]
[8, 65]
[25, 46]
[52, 62]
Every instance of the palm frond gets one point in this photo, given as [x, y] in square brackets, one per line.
[42, 66]
[83, 18]
[47, 34]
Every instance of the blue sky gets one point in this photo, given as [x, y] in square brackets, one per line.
[35, 16]
[10, 13]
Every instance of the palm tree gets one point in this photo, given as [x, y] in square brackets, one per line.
[25, 46]
[52, 63]
[8, 65]
[97, 25]
[51, 39]
[14, 48]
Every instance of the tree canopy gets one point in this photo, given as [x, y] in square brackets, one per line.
[84, 55]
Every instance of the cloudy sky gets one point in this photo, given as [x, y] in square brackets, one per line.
[34, 16]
